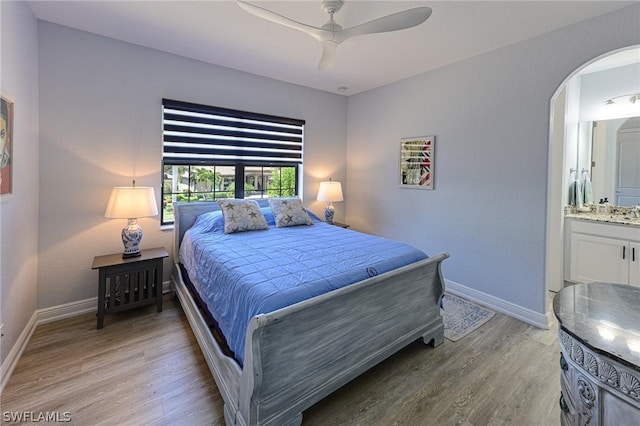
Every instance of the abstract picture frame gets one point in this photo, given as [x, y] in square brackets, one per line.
[417, 162]
[6, 147]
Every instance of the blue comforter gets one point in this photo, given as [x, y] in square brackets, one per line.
[244, 274]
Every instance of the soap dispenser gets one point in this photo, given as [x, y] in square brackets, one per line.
[607, 206]
[602, 209]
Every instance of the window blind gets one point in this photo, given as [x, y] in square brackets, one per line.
[198, 134]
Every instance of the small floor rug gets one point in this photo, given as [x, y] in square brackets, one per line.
[461, 317]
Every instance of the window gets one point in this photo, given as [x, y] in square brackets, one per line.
[211, 153]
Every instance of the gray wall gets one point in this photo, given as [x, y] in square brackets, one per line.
[100, 125]
[19, 212]
[99, 107]
[490, 115]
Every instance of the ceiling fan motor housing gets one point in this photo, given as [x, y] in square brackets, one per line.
[332, 6]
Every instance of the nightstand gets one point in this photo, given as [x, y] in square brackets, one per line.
[125, 283]
[341, 225]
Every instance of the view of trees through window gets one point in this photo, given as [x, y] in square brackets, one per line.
[185, 183]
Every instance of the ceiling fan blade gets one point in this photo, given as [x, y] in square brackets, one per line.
[328, 55]
[317, 33]
[397, 21]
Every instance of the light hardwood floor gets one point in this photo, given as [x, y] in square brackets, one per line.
[146, 368]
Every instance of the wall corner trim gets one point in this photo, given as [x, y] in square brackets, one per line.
[15, 353]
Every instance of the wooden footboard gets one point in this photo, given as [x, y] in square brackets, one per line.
[298, 355]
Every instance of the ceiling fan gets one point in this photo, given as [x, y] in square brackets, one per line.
[332, 34]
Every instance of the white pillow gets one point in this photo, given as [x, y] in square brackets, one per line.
[241, 215]
[289, 212]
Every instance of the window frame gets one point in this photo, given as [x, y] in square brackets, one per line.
[254, 140]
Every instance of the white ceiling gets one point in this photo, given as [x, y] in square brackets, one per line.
[220, 32]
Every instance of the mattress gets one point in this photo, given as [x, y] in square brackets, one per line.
[241, 275]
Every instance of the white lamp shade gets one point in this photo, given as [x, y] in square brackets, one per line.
[131, 202]
[330, 191]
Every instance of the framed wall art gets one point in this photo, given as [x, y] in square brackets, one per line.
[416, 162]
[6, 146]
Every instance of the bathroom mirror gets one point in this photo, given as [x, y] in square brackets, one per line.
[610, 151]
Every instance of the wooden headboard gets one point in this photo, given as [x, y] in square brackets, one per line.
[186, 215]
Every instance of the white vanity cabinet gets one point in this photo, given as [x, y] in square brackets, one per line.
[603, 252]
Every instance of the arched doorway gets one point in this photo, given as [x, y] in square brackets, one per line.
[568, 108]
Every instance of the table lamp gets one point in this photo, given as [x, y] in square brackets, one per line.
[330, 192]
[131, 203]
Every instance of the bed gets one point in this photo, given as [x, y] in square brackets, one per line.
[293, 356]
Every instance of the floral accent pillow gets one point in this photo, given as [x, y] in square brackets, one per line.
[241, 215]
[289, 212]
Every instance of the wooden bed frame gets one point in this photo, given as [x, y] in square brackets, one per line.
[299, 354]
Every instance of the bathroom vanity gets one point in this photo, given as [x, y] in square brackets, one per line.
[602, 248]
[603, 165]
[600, 354]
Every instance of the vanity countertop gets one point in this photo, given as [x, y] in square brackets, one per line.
[605, 317]
[620, 219]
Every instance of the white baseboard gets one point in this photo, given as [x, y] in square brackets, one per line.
[15, 353]
[67, 310]
[46, 315]
[516, 311]
[73, 309]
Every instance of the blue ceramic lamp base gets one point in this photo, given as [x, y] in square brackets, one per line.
[131, 237]
[328, 213]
